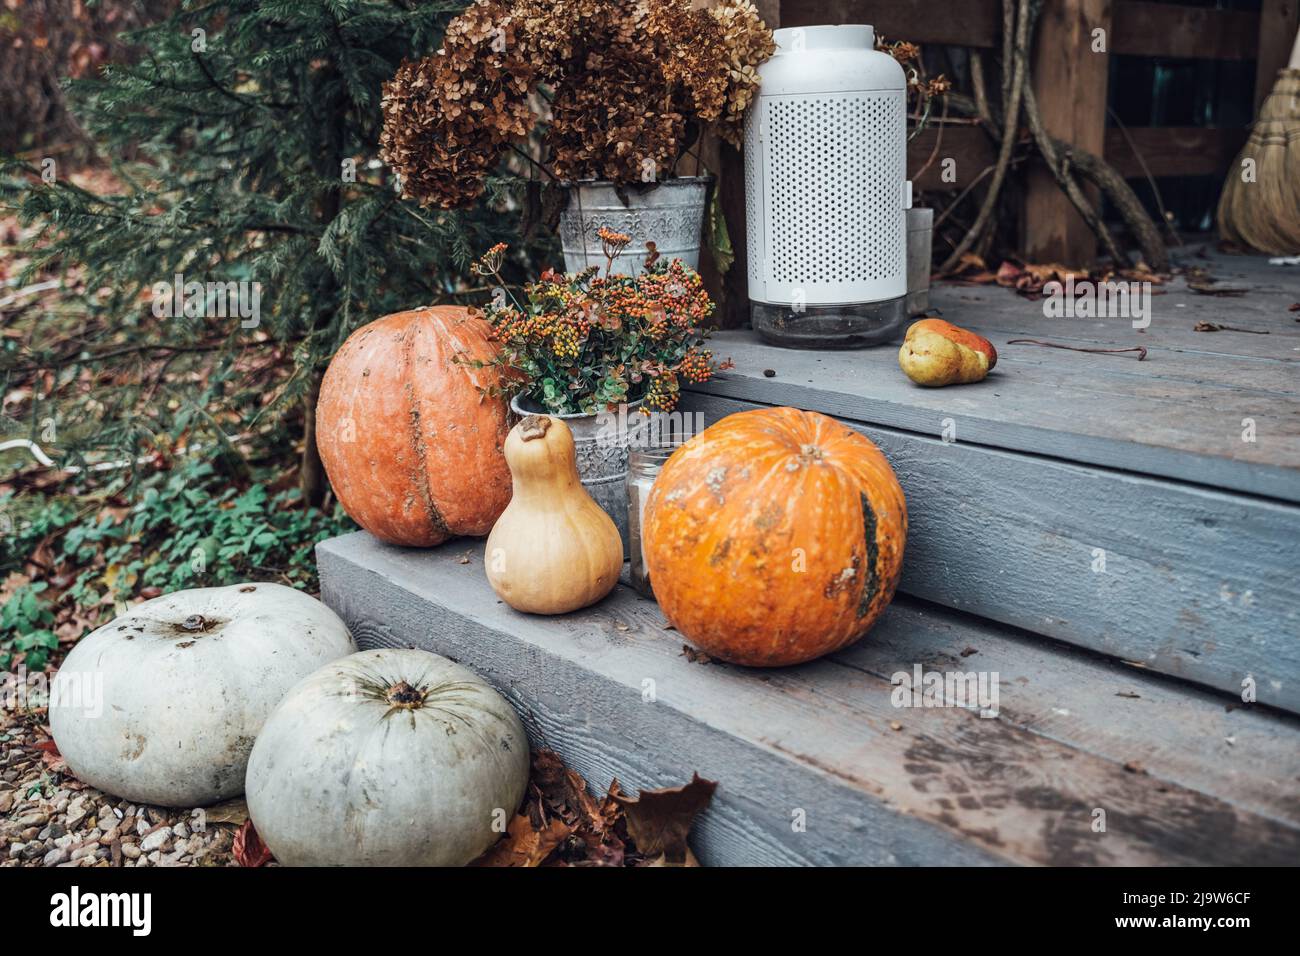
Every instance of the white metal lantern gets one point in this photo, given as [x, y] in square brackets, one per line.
[826, 190]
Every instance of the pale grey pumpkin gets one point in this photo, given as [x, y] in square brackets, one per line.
[387, 758]
[163, 704]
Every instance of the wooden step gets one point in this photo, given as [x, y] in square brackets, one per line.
[1179, 775]
[1020, 486]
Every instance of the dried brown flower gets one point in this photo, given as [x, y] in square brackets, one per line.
[448, 116]
[937, 85]
[748, 43]
[624, 80]
[692, 50]
[613, 115]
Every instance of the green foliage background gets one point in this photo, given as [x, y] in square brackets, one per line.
[234, 135]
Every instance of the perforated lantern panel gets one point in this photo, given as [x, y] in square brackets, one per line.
[825, 198]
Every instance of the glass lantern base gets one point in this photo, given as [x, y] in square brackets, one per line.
[853, 326]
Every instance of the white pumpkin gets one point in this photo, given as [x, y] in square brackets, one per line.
[387, 758]
[163, 704]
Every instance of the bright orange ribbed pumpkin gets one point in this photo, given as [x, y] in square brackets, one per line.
[412, 446]
[775, 536]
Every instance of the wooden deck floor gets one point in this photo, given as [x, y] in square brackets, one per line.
[1179, 414]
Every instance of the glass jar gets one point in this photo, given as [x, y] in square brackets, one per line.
[829, 326]
[643, 467]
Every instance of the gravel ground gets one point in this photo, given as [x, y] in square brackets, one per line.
[49, 818]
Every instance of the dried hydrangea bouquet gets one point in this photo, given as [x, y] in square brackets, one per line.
[602, 98]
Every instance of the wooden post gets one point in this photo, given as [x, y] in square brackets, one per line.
[1069, 77]
[1278, 21]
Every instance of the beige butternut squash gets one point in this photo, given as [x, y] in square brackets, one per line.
[553, 550]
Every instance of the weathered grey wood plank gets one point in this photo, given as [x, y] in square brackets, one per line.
[578, 683]
[1174, 349]
[878, 784]
[1205, 369]
[1177, 415]
[1198, 584]
[1246, 755]
[1191, 434]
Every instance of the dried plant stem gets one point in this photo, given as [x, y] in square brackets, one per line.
[534, 162]
[1103, 175]
[938, 141]
[1141, 350]
[1015, 46]
[1165, 219]
[980, 86]
[1063, 159]
[1092, 168]
[943, 216]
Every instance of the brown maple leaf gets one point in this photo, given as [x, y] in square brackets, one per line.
[658, 821]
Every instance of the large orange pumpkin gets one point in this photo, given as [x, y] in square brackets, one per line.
[411, 444]
[775, 536]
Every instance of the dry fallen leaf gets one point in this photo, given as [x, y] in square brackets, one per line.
[694, 656]
[1215, 327]
[562, 824]
[525, 846]
[1207, 287]
[231, 811]
[248, 848]
[658, 821]
[565, 793]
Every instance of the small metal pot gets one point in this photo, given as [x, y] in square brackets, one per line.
[670, 214]
[601, 443]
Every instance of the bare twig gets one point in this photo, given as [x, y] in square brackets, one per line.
[1216, 327]
[980, 86]
[1102, 175]
[1015, 44]
[1141, 350]
[530, 159]
[1151, 180]
[938, 141]
[939, 220]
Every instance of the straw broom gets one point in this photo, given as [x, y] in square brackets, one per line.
[1260, 205]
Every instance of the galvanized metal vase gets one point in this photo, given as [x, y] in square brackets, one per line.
[601, 442]
[671, 215]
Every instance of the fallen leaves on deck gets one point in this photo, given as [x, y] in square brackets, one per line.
[561, 824]
[1207, 286]
[1029, 278]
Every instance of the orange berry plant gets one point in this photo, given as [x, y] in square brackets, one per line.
[586, 342]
